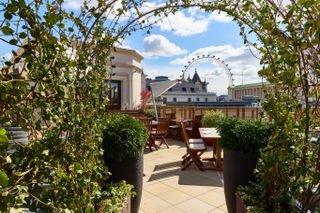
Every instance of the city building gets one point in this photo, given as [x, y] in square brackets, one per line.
[248, 92]
[127, 79]
[190, 90]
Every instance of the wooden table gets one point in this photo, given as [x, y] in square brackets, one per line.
[211, 135]
[185, 120]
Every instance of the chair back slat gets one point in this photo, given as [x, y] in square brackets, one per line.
[163, 125]
[184, 133]
[147, 122]
[197, 122]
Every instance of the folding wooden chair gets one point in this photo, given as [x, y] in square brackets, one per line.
[193, 131]
[195, 148]
[148, 124]
[161, 131]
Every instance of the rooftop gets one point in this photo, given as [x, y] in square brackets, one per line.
[251, 85]
[168, 189]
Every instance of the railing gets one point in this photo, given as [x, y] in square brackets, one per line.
[191, 111]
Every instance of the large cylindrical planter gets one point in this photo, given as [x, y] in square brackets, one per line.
[237, 170]
[130, 170]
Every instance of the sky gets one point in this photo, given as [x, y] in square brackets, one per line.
[185, 35]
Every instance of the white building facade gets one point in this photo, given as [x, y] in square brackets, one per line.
[248, 92]
[126, 83]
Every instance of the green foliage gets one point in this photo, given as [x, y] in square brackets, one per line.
[52, 88]
[288, 43]
[243, 135]
[124, 137]
[150, 113]
[62, 59]
[115, 197]
[212, 118]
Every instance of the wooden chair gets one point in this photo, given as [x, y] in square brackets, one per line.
[193, 131]
[174, 128]
[161, 131]
[148, 124]
[195, 148]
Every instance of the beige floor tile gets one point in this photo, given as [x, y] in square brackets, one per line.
[146, 195]
[157, 188]
[141, 211]
[153, 205]
[172, 182]
[168, 189]
[223, 208]
[172, 210]
[193, 190]
[194, 205]
[174, 196]
[213, 198]
[217, 211]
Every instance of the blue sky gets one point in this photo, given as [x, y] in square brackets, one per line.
[185, 35]
[190, 33]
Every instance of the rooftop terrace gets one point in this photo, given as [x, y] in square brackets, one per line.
[168, 189]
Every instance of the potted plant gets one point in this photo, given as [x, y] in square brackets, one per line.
[212, 118]
[241, 141]
[124, 139]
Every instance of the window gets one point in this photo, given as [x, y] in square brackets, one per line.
[192, 89]
[115, 94]
[174, 99]
[164, 100]
[184, 89]
[198, 99]
[170, 90]
[206, 99]
[189, 99]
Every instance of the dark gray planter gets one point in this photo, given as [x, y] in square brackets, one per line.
[130, 170]
[237, 170]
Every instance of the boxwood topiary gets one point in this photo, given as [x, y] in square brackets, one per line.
[244, 135]
[123, 137]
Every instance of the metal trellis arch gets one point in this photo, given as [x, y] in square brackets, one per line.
[208, 57]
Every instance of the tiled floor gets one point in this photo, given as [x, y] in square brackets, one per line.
[167, 189]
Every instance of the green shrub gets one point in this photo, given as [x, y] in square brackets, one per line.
[150, 113]
[212, 118]
[123, 137]
[115, 197]
[243, 135]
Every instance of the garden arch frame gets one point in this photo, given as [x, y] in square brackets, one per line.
[289, 48]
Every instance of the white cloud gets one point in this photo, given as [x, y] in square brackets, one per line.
[244, 66]
[191, 21]
[220, 17]
[73, 4]
[7, 56]
[227, 53]
[183, 25]
[158, 45]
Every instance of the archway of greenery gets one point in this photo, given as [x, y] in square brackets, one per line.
[64, 56]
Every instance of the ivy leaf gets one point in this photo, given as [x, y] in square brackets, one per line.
[3, 136]
[22, 35]
[7, 30]
[4, 180]
[13, 41]
[2, 131]
[8, 16]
